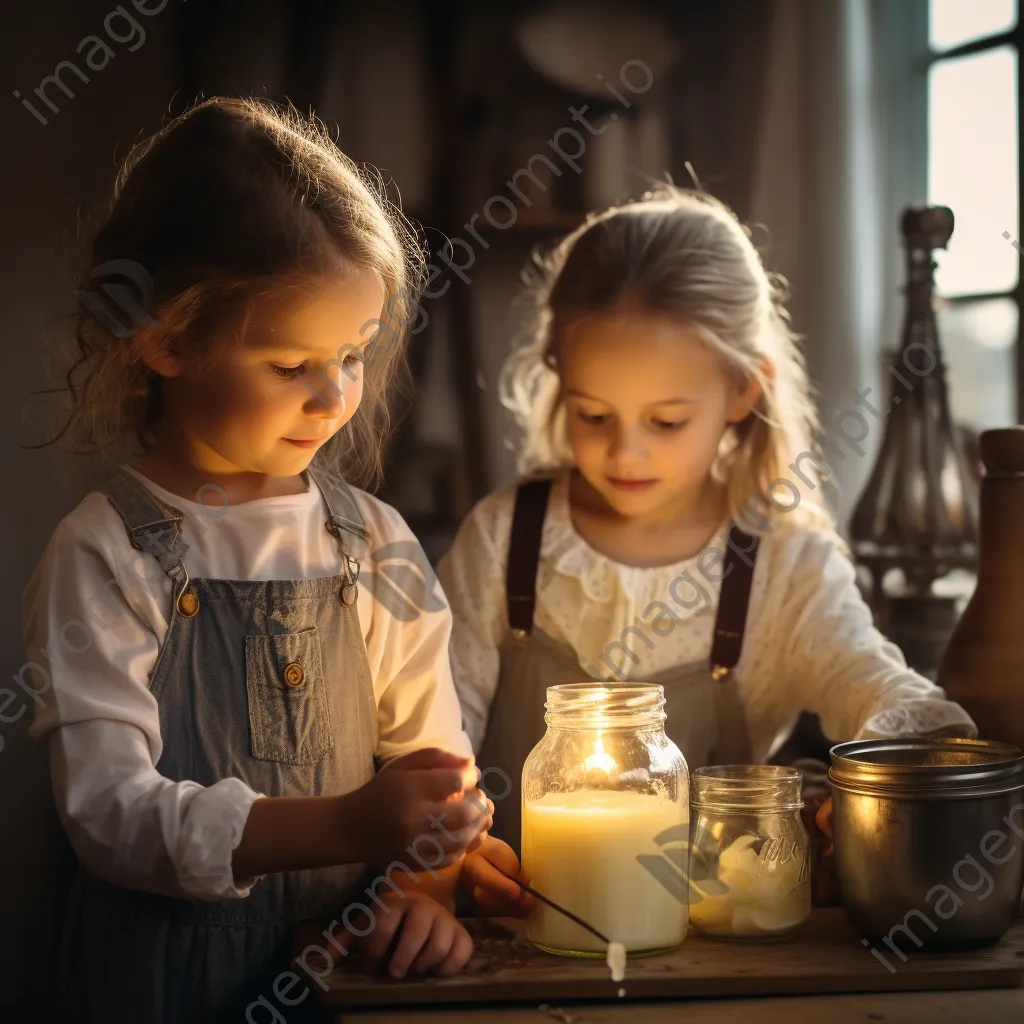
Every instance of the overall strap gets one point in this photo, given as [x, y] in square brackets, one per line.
[153, 527]
[731, 621]
[346, 525]
[524, 554]
[343, 519]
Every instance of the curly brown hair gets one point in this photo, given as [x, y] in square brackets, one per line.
[235, 201]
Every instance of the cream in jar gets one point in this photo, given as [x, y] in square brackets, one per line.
[749, 855]
[581, 849]
[762, 896]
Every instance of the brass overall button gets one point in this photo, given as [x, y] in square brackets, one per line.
[188, 604]
[294, 674]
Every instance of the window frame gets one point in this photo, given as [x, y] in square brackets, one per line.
[1011, 37]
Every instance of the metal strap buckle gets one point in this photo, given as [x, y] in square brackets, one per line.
[186, 603]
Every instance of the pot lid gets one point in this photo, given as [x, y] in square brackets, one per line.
[927, 768]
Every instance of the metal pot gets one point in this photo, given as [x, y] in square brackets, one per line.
[929, 839]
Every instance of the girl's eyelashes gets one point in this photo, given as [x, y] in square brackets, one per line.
[288, 372]
[595, 419]
[351, 360]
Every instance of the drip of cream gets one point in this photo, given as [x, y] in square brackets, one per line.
[616, 960]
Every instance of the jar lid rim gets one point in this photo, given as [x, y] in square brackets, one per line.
[605, 705]
[747, 787]
[597, 686]
[747, 773]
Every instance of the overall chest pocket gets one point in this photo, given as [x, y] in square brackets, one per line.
[289, 710]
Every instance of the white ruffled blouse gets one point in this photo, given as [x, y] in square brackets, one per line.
[810, 640]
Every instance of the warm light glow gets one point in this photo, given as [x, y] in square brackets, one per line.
[599, 759]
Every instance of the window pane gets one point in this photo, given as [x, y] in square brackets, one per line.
[953, 22]
[978, 341]
[972, 168]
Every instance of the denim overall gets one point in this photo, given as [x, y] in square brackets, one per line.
[265, 681]
[705, 716]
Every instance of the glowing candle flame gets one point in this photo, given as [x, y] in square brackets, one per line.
[600, 759]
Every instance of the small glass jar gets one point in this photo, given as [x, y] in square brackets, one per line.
[603, 791]
[750, 864]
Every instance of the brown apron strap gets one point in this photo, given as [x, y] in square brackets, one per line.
[524, 553]
[731, 621]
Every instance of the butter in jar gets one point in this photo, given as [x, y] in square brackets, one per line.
[749, 852]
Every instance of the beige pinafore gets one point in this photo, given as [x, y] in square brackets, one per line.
[705, 716]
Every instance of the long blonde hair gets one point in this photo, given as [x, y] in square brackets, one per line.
[234, 201]
[684, 253]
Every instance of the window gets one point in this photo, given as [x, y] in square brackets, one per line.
[973, 167]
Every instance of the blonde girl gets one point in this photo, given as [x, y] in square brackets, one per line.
[670, 525]
[238, 729]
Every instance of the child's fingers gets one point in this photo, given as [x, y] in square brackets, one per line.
[484, 807]
[454, 841]
[416, 928]
[504, 896]
[471, 775]
[474, 802]
[459, 954]
[480, 873]
[460, 814]
[472, 833]
[346, 941]
[438, 945]
[502, 856]
[441, 783]
[489, 904]
[480, 800]
[477, 841]
[386, 925]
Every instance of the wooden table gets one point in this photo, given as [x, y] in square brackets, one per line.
[987, 1006]
[824, 974]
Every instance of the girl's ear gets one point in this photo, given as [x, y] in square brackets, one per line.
[747, 394]
[158, 352]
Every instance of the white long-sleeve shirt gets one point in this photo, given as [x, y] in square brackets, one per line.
[810, 642]
[125, 821]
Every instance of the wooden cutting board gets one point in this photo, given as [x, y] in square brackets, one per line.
[827, 957]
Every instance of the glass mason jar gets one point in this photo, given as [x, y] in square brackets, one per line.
[750, 864]
[603, 791]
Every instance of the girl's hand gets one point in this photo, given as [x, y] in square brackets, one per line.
[433, 757]
[414, 934]
[493, 894]
[424, 801]
[823, 819]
